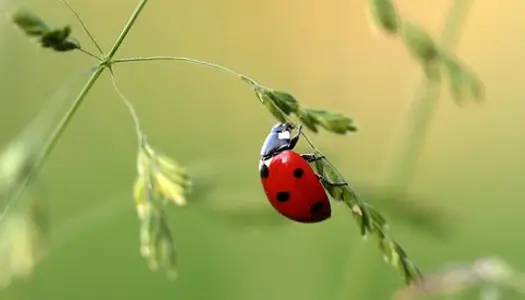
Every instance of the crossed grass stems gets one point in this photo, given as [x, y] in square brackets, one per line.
[283, 106]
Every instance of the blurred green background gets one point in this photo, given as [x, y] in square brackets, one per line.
[325, 54]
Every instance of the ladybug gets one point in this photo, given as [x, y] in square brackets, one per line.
[293, 188]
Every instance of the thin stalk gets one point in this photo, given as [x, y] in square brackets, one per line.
[247, 79]
[132, 111]
[126, 29]
[89, 53]
[91, 37]
[66, 119]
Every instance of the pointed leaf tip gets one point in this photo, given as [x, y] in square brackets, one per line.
[333, 122]
[30, 23]
[57, 39]
[463, 84]
[277, 113]
[284, 100]
[385, 15]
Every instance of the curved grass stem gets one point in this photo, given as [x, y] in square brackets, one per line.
[133, 112]
[245, 78]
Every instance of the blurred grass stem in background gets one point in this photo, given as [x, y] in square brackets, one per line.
[52, 140]
[408, 143]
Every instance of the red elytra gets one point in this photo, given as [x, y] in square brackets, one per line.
[294, 189]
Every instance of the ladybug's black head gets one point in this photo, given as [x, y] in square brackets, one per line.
[278, 139]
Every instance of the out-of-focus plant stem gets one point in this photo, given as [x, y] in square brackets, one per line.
[407, 149]
[409, 143]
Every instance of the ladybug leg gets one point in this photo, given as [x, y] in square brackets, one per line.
[321, 178]
[310, 157]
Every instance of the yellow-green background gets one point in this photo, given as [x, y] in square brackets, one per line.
[326, 54]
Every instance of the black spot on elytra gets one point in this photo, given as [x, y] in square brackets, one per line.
[316, 207]
[283, 196]
[264, 171]
[298, 173]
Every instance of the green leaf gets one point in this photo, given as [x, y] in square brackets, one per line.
[332, 121]
[360, 211]
[377, 218]
[392, 252]
[307, 119]
[385, 15]
[282, 104]
[29, 22]
[455, 77]
[285, 101]
[463, 84]
[66, 45]
[344, 194]
[475, 86]
[330, 174]
[271, 106]
[59, 40]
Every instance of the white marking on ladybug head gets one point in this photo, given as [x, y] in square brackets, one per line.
[285, 135]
